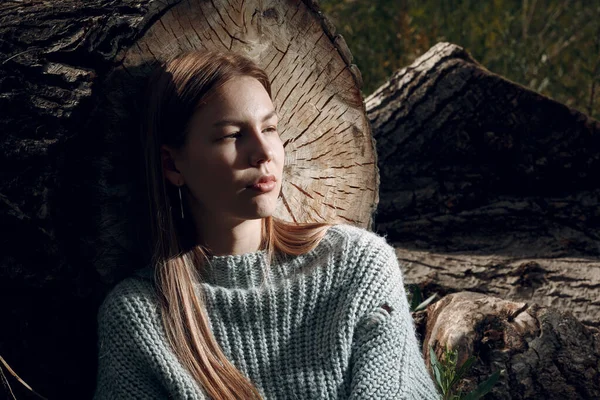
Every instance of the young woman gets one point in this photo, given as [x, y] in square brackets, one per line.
[237, 304]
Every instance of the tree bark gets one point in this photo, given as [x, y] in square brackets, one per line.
[545, 353]
[71, 77]
[487, 186]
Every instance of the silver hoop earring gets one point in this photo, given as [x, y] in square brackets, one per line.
[180, 202]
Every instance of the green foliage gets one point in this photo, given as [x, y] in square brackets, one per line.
[550, 46]
[416, 299]
[447, 375]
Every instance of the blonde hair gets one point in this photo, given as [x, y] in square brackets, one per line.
[175, 91]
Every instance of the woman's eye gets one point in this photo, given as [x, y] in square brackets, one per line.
[271, 129]
[232, 135]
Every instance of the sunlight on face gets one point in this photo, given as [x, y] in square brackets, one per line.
[232, 142]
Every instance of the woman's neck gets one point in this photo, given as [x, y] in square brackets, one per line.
[233, 238]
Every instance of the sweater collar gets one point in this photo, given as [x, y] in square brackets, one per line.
[247, 270]
[237, 271]
[231, 271]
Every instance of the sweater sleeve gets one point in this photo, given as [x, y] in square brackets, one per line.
[133, 361]
[386, 360]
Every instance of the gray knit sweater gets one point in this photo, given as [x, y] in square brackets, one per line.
[333, 323]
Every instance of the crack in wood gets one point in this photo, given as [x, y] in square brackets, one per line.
[327, 101]
[306, 129]
[213, 29]
[298, 4]
[340, 153]
[314, 140]
[296, 64]
[351, 166]
[296, 108]
[287, 207]
[317, 157]
[301, 190]
[231, 18]
[190, 21]
[266, 68]
[183, 30]
[150, 51]
[221, 17]
[354, 221]
[289, 94]
[334, 207]
[317, 212]
[273, 78]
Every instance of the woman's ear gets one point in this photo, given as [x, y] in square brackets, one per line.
[167, 157]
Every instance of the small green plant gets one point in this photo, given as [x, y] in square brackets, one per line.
[416, 299]
[446, 371]
[447, 376]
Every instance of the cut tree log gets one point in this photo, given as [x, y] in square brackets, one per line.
[545, 353]
[487, 186]
[71, 74]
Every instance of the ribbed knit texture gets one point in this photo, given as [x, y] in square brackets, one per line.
[333, 323]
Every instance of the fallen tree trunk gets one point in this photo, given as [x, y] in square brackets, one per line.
[566, 283]
[545, 353]
[488, 186]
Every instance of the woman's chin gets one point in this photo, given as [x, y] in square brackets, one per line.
[264, 212]
[261, 209]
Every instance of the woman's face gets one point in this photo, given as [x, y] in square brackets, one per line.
[232, 143]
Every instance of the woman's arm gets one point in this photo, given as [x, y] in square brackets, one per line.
[134, 360]
[386, 359]
[122, 373]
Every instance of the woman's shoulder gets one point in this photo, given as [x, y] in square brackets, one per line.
[357, 241]
[131, 298]
[358, 254]
[366, 264]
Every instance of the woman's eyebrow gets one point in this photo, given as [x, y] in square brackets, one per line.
[226, 122]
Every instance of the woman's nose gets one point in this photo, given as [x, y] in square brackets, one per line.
[262, 151]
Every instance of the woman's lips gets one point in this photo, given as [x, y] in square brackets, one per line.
[264, 184]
